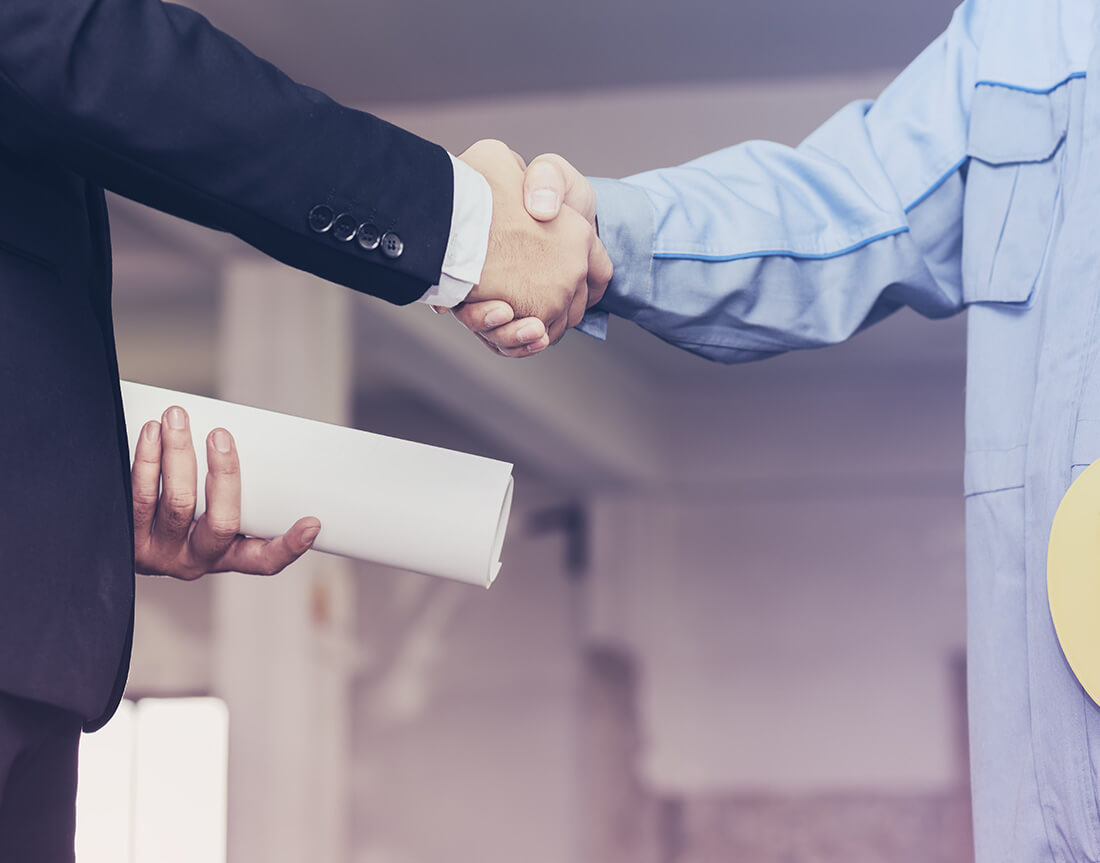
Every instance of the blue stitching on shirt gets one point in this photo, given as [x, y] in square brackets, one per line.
[924, 196]
[1037, 92]
[963, 160]
[784, 253]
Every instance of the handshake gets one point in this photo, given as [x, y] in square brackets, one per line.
[545, 264]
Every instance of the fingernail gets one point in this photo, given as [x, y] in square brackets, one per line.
[222, 442]
[177, 419]
[529, 334]
[540, 345]
[497, 317]
[543, 202]
[152, 432]
[310, 534]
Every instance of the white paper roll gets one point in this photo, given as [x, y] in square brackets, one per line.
[381, 499]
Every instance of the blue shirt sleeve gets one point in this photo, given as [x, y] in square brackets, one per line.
[762, 248]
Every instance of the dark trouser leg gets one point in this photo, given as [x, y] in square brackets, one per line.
[38, 756]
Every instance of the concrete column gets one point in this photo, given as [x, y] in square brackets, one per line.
[283, 646]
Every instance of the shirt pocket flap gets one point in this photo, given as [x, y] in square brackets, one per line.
[1009, 126]
[1013, 180]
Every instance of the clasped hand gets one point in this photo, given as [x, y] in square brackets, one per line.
[545, 265]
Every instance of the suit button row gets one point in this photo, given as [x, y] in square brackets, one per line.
[346, 228]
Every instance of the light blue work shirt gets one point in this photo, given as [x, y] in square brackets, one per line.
[972, 182]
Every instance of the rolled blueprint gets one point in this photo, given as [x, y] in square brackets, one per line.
[380, 499]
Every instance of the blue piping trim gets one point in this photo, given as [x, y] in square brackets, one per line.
[938, 183]
[774, 253]
[1037, 92]
[786, 253]
[963, 160]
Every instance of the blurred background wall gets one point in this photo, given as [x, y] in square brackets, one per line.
[730, 622]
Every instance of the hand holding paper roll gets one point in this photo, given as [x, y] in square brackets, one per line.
[380, 499]
[167, 539]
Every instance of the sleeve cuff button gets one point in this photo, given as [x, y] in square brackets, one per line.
[392, 245]
[369, 237]
[321, 218]
[344, 228]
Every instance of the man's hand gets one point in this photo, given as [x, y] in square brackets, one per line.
[538, 278]
[549, 182]
[552, 188]
[167, 539]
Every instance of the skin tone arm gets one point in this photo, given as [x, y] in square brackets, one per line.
[168, 540]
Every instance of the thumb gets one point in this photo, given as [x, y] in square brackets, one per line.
[544, 189]
[551, 181]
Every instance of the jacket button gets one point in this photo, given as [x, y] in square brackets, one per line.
[321, 218]
[344, 227]
[369, 236]
[392, 245]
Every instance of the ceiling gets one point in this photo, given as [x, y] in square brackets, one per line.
[384, 51]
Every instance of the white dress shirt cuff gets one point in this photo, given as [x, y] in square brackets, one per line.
[468, 243]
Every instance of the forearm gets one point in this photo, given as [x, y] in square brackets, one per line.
[767, 294]
[762, 248]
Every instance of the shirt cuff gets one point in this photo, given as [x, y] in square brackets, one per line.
[468, 243]
[627, 229]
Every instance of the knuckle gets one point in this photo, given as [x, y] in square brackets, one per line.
[175, 523]
[492, 309]
[179, 441]
[228, 467]
[466, 318]
[567, 284]
[144, 499]
[557, 331]
[179, 501]
[551, 161]
[224, 529]
[544, 169]
[490, 145]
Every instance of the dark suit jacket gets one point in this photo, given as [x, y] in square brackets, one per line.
[151, 101]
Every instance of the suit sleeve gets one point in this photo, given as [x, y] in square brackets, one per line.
[761, 248]
[151, 101]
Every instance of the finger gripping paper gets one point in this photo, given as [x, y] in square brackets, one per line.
[379, 499]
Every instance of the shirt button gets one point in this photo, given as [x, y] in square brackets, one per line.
[392, 245]
[369, 236]
[344, 227]
[321, 218]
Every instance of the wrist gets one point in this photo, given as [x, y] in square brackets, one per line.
[467, 243]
